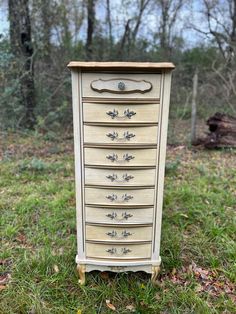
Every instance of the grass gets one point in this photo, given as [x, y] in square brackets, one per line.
[38, 247]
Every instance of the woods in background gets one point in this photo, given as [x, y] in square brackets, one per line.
[198, 36]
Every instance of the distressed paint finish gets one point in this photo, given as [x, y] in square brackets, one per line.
[120, 146]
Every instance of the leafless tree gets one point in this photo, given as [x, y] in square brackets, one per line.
[90, 27]
[22, 49]
[109, 21]
[219, 24]
[132, 27]
[169, 13]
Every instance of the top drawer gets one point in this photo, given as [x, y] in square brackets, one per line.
[133, 86]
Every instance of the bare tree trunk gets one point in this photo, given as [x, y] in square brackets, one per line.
[90, 28]
[46, 23]
[164, 23]
[143, 5]
[124, 39]
[170, 10]
[194, 107]
[108, 18]
[22, 49]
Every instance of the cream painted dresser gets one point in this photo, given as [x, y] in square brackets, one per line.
[120, 116]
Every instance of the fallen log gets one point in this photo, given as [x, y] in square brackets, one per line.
[222, 133]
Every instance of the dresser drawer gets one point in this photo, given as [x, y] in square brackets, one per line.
[111, 177]
[133, 86]
[118, 251]
[119, 216]
[118, 234]
[119, 197]
[120, 157]
[126, 113]
[120, 135]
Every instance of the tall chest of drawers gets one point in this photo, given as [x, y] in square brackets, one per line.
[120, 117]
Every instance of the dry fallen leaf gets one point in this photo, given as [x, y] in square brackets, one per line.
[2, 287]
[130, 307]
[4, 279]
[56, 268]
[21, 238]
[110, 305]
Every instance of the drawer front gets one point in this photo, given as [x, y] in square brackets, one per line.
[120, 157]
[120, 135]
[108, 177]
[118, 234]
[119, 216]
[118, 251]
[133, 86]
[113, 113]
[119, 197]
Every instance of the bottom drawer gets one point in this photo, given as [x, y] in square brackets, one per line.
[118, 251]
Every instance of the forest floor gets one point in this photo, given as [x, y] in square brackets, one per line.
[37, 204]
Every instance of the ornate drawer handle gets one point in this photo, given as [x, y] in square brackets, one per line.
[125, 198]
[115, 114]
[124, 234]
[114, 178]
[124, 216]
[123, 251]
[114, 158]
[115, 136]
[121, 86]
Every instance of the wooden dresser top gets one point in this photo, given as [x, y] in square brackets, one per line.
[122, 65]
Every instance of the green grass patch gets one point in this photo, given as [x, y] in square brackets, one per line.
[38, 232]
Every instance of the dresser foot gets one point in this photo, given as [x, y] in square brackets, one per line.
[155, 272]
[81, 270]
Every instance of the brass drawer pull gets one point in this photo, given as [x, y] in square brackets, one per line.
[115, 136]
[114, 158]
[123, 251]
[114, 178]
[125, 198]
[124, 234]
[124, 216]
[126, 115]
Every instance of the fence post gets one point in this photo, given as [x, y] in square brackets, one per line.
[194, 107]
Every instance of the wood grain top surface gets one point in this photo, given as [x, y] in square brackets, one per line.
[121, 65]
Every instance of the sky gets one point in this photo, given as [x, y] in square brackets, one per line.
[3, 18]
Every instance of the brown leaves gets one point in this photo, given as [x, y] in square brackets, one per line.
[211, 282]
[4, 280]
[208, 281]
[21, 238]
[110, 305]
[5, 262]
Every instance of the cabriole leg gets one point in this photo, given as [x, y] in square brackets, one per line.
[81, 270]
[155, 272]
